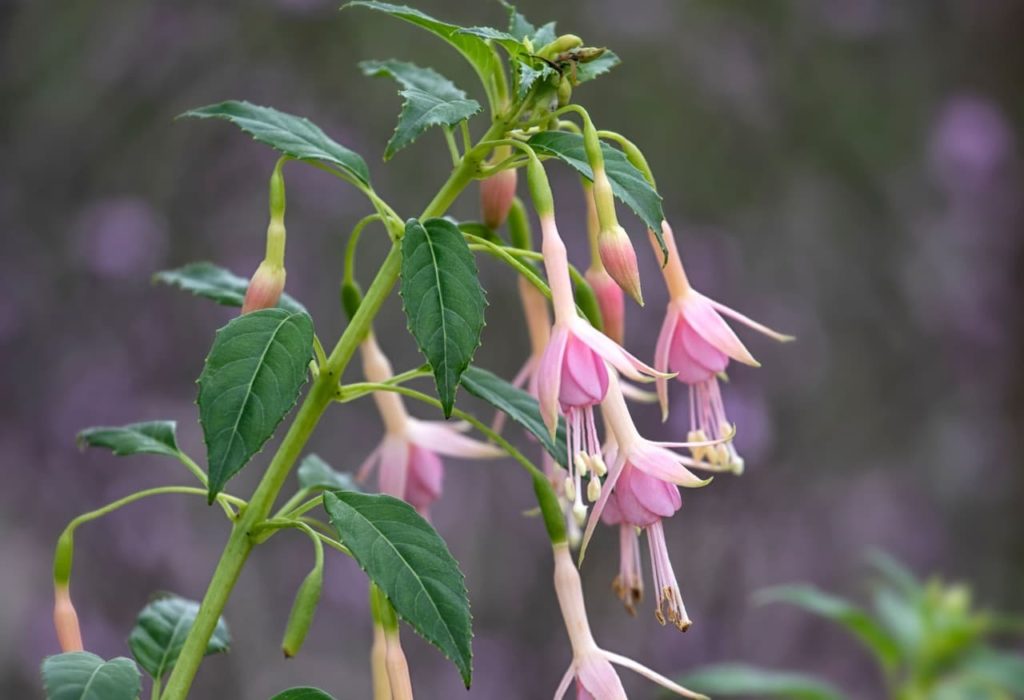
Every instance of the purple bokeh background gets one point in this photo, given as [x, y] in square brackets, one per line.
[845, 170]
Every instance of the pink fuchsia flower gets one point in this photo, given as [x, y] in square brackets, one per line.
[697, 344]
[591, 666]
[573, 374]
[409, 456]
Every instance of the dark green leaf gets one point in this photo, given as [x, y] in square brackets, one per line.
[430, 100]
[160, 631]
[517, 405]
[511, 44]
[314, 473]
[443, 300]
[529, 75]
[740, 679]
[303, 694]
[521, 28]
[151, 437]
[411, 564]
[628, 183]
[598, 67]
[475, 49]
[250, 381]
[204, 279]
[79, 675]
[841, 611]
[291, 135]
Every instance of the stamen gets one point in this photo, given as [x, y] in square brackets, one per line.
[598, 465]
[579, 511]
[570, 489]
[580, 461]
[594, 489]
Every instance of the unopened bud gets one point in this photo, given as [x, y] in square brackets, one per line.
[564, 43]
[564, 91]
[65, 620]
[265, 288]
[398, 667]
[496, 195]
[303, 609]
[619, 260]
[610, 301]
[351, 297]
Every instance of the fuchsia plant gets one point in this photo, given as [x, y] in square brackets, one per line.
[596, 464]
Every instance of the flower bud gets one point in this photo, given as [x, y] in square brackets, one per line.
[65, 620]
[265, 288]
[301, 616]
[496, 195]
[619, 260]
[610, 301]
[397, 666]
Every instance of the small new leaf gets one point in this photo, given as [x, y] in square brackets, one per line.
[430, 100]
[204, 279]
[79, 675]
[443, 300]
[411, 564]
[315, 473]
[250, 381]
[291, 135]
[150, 437]
[160, 630]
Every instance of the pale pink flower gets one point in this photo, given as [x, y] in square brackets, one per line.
[409, 456]
[696, 343]
[591, 666]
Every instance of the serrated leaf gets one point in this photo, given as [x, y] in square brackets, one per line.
[511, 44]
[79, 675]
[522, 28]
[315, 473]
[528, 76]
[250, 381]
[150, 437]
[443, 300]
[628, 183]
[517, 405]
[475, 49]
[841, 611]
[596, 68]
[430, 100]
[303, 694]
[741, 679]
[204, 279]
[291, 135]
[160, 630]
[411, 564]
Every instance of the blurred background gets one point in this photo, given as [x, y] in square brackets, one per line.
[845, 170]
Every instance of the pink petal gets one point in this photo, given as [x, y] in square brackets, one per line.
[700, 314]
[371, 461]
[750, 323]
[549, 377]
[653, 676]
[668, 329]
[584, 376]
[644, 499]
[688, 370]
[598, 676]
[613, 353]
[443, 438]
[425, 477]
[702, 351]
[665, 465]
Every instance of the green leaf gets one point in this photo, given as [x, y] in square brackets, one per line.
[430, 100]
[160, 631]
[303, 694]
[740, 679]
[598, 67]
[291, 135]
[998, 668]
[79, 675]
[522, 28]
[528, 76]
[251, 379]
[443, 300]
[517, 405]
[204, 279]
[314, 473]
[411, 564]
[151, 437]
[841, 611]
[511, 44]
[628, 183]
[475, 49]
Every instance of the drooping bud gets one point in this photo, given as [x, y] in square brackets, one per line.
[619, 260]
[610, 301]
[265, 288]
[65, 620]
[496, 195]
[267, 283]
[303, 609]
[379, 665]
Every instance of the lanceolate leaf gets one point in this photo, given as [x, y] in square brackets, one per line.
[430, 100]
[250, 381]
[513, 45]
[204, 279]
[160, 631]
[79, 675]
[855, 620]
[443, 300]
[517, 405]
[740, 679]
[151, 437]
[475, 49]
[314, 473]
[628, 183]
[303, 694]
[411, 564]
[291, 135]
